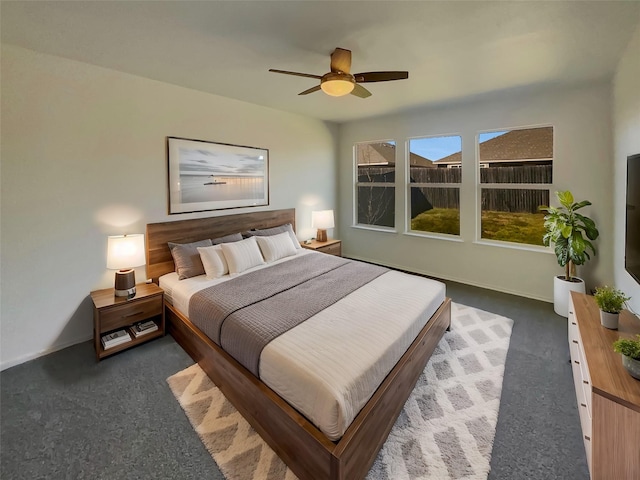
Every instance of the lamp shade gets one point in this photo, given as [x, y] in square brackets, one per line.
[322, 219]
[125, 251]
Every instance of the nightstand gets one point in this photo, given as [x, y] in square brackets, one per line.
[111, 313]
[332, 247]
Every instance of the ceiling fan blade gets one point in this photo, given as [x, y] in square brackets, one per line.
[341, 60]
[380, 76]
[308, 75]
[360, 91]
[311, 90]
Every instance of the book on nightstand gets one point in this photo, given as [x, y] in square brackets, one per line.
[144, 328]
[115, 338]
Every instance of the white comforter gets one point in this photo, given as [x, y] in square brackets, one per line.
[330, 365]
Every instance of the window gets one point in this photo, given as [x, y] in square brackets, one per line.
[375, 184]
[516, 168]
[435, 172]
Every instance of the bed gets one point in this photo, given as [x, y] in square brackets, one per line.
[302, 445]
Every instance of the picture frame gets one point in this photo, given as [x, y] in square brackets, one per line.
[206, 175]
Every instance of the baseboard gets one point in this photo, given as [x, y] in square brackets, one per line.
[452, 279]
[32, 356]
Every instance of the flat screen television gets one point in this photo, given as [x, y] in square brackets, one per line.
[632, 235]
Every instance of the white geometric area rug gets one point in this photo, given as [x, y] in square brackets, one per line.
[445, 430]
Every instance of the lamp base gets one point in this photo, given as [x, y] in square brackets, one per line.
[321, 235]
[125, 285]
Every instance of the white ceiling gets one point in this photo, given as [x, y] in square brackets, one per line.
[452, 50]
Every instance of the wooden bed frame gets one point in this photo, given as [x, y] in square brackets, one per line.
[304, 448]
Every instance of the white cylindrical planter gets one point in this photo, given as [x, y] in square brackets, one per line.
[561, 289]
[609, 320]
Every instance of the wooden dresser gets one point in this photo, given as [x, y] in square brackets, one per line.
[608, 397]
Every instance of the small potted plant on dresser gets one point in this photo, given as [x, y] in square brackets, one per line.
[630, 350]
[570, 232]
[610, 301]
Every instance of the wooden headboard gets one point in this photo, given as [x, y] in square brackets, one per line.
[159, 260]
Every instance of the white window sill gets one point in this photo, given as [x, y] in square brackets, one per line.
[436, 236]
[515, 246]
[373, 228]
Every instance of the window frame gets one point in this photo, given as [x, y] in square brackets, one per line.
[357, 184]
[408, 186]
[508, 186]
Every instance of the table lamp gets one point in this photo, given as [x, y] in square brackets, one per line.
[124, 252]
[322, 220]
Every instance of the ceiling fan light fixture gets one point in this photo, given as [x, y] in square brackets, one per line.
[340, 82]
[337, 84]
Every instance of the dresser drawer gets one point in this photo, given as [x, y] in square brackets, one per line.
[577, 381]
[586, 379]
[129, 313]
[573, 331]
[583, 398]
[574, 349]
[572, 323]
[587, 451]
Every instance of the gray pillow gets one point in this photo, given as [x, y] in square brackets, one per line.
[234, 237]
[267, 232]
[187, 258]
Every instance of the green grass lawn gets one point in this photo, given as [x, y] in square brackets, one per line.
[513, 227]
[509, 227]
[438, 220]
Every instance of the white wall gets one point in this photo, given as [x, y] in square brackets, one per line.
[583, 164]
[83, 157]
[626, 123]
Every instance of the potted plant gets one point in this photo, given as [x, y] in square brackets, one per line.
[630, 350]
[610, 301]
[571, 233]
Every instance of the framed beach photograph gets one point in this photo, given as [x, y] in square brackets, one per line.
[214, 176]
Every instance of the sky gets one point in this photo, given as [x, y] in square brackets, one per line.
[435, 148]
[232, 161]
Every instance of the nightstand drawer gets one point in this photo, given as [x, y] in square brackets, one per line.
[335, 249]
[117, 313]
[129, 313]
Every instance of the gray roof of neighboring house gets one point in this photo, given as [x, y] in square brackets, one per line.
[385, 154]
[527, 144]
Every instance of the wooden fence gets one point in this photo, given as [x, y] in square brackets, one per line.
[495, 199]
[518, 200]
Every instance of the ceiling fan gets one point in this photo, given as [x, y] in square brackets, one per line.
[340, 81]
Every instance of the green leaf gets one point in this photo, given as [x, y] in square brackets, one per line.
[589, 226]
[566, 231]
[628, 347]
[579, 205]
[565, 198]
[590, 247]
[562, 253]
[577, 248]
[577, 243]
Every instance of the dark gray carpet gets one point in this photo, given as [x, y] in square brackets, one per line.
[538, 435]
[64, 416]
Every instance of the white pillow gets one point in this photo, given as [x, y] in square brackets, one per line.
[267, 232]
[242, 255]
[275, 247]
[215, 264]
